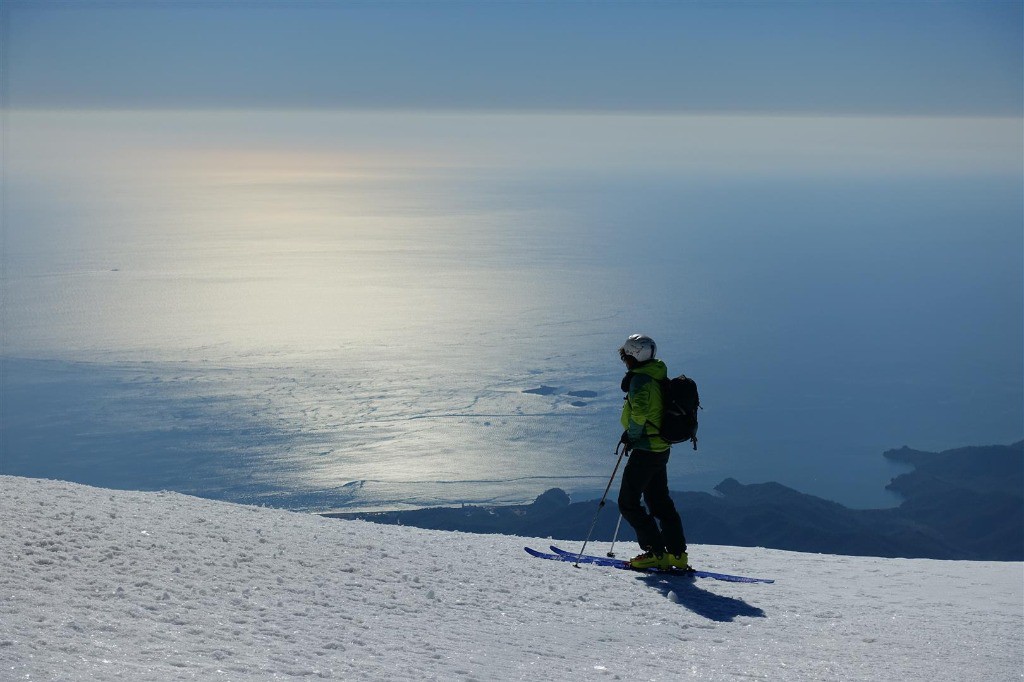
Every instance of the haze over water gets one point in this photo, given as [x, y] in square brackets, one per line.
[421, 305]
[307, 303]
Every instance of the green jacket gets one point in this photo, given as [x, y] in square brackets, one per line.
[641, 413]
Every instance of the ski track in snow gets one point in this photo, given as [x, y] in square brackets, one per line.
[104, 585]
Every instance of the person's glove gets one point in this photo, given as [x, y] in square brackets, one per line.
[626, 442]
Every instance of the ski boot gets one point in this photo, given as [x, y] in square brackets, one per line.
[661, 561]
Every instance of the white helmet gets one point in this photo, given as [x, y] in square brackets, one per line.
[639, 347]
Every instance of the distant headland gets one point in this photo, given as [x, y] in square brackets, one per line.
[966, 503]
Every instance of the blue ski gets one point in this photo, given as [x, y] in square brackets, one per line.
[563, 555]
[620, 563]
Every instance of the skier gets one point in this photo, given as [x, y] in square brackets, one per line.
[646, 472]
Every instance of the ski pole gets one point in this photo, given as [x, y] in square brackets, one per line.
[601, 504]
[611, 550]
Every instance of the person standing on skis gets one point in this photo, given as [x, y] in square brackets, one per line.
[646, 472]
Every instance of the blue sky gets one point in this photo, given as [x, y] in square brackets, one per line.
[872, 58]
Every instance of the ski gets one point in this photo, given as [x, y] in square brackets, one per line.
[609, 561]
[621, 563]
[563, 555]
[614, 563]
[594, 559]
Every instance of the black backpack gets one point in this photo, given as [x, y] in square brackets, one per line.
[681, 402]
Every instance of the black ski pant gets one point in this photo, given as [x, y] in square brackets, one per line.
[646, 475]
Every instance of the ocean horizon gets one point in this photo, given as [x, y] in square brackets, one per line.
[337, 310]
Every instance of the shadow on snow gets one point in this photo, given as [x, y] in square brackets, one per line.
[702, 602]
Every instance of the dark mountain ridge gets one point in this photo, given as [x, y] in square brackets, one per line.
[966, 503]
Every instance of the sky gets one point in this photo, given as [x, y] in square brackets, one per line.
[872, 58]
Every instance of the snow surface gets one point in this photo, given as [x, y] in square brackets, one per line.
[102, 585]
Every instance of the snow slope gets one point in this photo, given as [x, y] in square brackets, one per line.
[102, 585]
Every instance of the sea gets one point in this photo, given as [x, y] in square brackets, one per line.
[365, 310]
